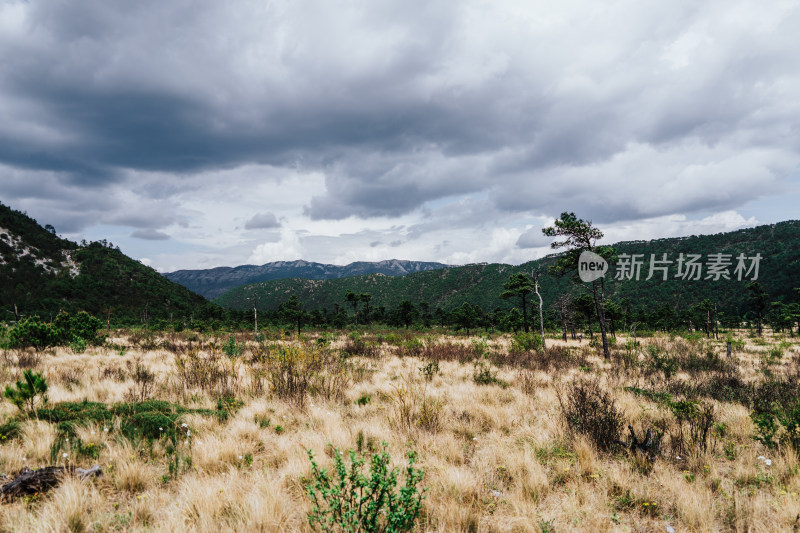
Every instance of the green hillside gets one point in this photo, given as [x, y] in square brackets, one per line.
[481, 284]
[41, 274]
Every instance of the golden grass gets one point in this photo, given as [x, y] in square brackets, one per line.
[496, 458]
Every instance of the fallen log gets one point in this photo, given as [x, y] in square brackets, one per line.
[28, 481]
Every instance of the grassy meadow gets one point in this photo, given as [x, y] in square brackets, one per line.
[509, 439]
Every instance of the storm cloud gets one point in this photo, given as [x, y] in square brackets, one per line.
[426, 125]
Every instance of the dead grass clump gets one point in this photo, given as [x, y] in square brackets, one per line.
[448, 351]
[28, 358]
[115, 373]
[357, 346]
[526, 381]
[209, 371]
[588, 409]
[413, 408]
[144, 381]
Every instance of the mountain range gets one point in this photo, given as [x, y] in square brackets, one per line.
[214, 282]
[777, 245]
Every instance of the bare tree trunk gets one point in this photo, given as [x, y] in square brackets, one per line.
[601, 315]
[541, 314]
[255, 315]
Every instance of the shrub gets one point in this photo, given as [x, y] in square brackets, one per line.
[780, 425]
[77, 345]
[76, 330]
[429, 416]
[413, 347]
[695, 421]
[291, 370]
[526, 342]
[658, 360]
[356, 346]
[212, 372]
[32, 332]
[347, 500]
[82, 326]
[590, 410]
[26, 393]
[9, 430]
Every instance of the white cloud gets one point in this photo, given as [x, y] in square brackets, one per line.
[288, 248]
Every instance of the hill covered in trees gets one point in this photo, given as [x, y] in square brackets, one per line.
[774, 250]
[41, 273]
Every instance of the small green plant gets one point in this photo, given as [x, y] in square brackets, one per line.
[364, 399]
[347, 500]
[29, 392]
[430, 370]
[546, 526]
[483, 375]
[730, 450]
[230, 348]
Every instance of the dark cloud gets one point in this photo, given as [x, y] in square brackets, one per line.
[533, 238]
[119, 113]
[150, 235]
[262, 221]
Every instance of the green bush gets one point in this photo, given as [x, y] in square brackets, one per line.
[81, 326]
[526, 342]
[658, 360]
[26, 392]
[695, 421]
[347, 500]
[74, 330]
[770, 422]
[32, 332]
[9, 430]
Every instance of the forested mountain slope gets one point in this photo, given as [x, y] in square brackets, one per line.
[481, 284]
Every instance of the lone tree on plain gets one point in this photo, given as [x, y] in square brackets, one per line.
[519, 286]
[580, 235]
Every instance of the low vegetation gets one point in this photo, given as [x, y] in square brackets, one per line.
[231, 432]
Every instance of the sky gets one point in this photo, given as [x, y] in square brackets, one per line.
[196, 134]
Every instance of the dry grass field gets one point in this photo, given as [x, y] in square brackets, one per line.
[508, 440]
